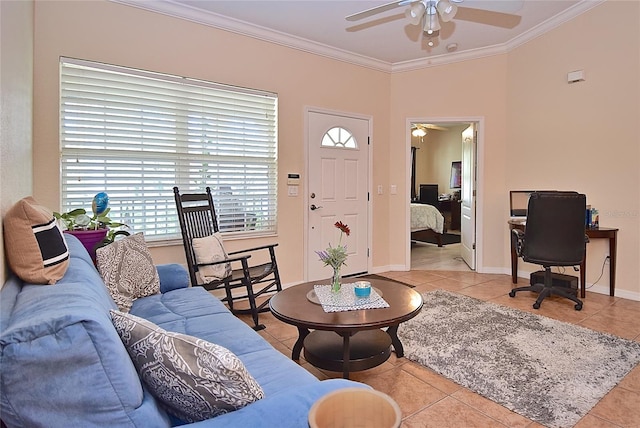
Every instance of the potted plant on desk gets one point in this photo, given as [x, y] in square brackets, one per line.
[94, 231]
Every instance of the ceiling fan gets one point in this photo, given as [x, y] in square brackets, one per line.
[429, 13]
[421, 129]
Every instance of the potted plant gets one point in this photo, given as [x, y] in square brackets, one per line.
[94, 231]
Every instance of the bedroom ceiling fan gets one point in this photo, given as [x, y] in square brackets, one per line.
[421, 129]
[429, 13]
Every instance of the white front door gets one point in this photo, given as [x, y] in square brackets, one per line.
[467, 196]
[338, 183]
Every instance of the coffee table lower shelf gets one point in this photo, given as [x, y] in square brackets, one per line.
[346, 353]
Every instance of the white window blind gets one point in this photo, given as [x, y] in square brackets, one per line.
[136, 134]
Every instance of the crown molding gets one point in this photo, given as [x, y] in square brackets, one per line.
[170, 8]
[557, 20]
[449, 58]
[189, 13]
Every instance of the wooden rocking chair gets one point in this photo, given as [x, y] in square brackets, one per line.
[197, 217]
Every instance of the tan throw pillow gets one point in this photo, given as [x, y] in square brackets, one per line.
[128, 271]
[208, 250]
[36, 250]
[194, 379]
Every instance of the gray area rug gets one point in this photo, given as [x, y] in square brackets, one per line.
[546, 370]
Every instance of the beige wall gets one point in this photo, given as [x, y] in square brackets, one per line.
[536, 130]
[122, 35]
[16, 71]
[583, 136]
[435, 153]
[470, 89]
[540, 132]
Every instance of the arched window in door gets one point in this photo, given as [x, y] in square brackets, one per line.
[339, 137]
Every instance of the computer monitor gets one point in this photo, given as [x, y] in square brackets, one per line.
[429, 194]
[519, 203]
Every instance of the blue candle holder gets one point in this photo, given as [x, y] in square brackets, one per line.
[362, 289]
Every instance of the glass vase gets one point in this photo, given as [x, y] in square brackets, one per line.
[335, 283]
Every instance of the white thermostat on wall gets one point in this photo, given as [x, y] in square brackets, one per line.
[293, 179]
[575, 76]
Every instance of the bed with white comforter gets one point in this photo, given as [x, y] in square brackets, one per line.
[426, 222]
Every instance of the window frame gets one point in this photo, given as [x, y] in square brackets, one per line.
[230, 145]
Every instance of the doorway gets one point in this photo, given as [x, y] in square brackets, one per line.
[443, 171]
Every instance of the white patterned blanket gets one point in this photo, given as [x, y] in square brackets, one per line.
[425, 216]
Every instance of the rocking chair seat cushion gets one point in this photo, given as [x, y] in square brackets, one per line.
[209, 249]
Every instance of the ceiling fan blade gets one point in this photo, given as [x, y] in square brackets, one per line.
[435, 127]
[427, 126]
[487, 17]
[378, 9]
[504, 6]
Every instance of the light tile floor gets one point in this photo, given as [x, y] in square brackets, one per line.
[430, 400]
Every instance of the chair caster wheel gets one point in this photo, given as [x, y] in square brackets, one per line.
[512, 294]
[536, 305]
[578, 306]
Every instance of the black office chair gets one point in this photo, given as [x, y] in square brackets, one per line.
[554, 236]
[197, 217]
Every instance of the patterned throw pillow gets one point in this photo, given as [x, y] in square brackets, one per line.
[194, 379]
[36, 250]
[208, 250]
[128, 271]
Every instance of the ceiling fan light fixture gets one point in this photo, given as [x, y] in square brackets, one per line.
[415, 13]
[446, 10]
[431, 24]
[419, 132]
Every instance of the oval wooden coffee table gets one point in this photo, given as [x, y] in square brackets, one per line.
[350, 340]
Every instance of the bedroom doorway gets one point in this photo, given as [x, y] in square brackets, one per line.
[443, 171]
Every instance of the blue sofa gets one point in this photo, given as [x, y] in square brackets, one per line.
[63, 364]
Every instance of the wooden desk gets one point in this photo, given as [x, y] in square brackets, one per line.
[603, 232]
[452, 208]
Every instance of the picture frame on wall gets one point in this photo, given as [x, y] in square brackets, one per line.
[456, 175]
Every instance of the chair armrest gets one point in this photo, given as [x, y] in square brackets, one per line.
[247, 250]
[172, 277]
[227, 260]
[518, 237]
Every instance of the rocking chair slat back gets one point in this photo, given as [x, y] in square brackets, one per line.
[197, 217]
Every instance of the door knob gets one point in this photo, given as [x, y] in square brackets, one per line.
[314, 207]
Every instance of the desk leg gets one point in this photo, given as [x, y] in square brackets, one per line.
[302, 333]
[612, 263]
[583, 276]
[514, 259]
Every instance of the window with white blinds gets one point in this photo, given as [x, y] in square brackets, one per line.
[135, 134]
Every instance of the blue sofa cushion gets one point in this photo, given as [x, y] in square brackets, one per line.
[194, 311]
[287, 409]
[60, 355]
[193, 378]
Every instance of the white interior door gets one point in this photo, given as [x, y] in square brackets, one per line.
[338, 183]
[467, 195]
